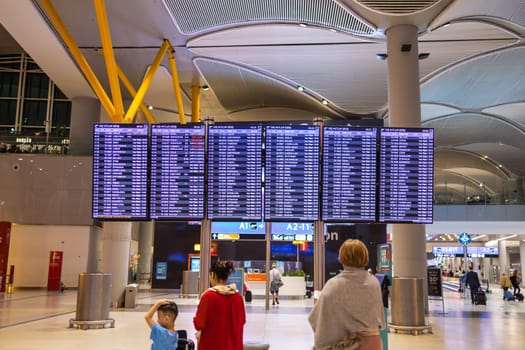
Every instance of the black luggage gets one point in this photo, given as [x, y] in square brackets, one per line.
[184, 342]
[480, 298]
[519, 297]
[248, 296]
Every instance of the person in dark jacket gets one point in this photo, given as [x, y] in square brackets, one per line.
[472, 280]
[515, 280]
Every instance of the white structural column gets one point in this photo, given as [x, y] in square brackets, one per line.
[408, 240]
[503, 258]
[84, 112]
[94, 263]
[116, 239]
[522, 260]
[145, 247]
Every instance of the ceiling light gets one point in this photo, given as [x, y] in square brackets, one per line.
[325, 102]
[300, 88]
[500, 166]
[333, 30]
[150, 107]
[205, 87]
[302, 25]
[381, 56]
[478, 237]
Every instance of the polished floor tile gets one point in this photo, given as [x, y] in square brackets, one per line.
[35, 319]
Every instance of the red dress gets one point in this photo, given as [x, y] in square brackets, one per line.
[220, 317]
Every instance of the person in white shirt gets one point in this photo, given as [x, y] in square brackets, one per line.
[275, 283]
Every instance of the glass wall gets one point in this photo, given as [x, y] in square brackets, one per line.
[35, 115]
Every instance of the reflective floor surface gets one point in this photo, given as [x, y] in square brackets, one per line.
[37, 319]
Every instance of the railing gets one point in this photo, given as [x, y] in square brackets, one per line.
[34, 144]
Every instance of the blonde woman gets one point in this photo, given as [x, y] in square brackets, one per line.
[349, 311]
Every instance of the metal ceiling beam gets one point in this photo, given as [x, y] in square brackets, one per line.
[195, 103]
[79, 57]
[146, 82]
[176, 84]
[133, 92]
[109, 58]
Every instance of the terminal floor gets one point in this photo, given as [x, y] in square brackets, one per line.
[36, 319]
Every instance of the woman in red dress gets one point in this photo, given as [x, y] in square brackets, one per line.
[220, 316]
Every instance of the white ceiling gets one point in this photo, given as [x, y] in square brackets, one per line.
[253, 56]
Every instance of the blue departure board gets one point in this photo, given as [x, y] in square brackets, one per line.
[292, 173]
[120, 171]
[177, 171]
[406, 166]
[349, 174]
[235, 172]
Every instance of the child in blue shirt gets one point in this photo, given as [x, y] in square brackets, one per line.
[163, 333]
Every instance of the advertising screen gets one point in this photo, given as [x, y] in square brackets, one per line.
[292, 173]
[406, 166]
[235, 172]
[349, 174]
[177, 171]
[120, 171]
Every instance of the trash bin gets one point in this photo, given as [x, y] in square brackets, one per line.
[130, 296]
[407, 302]
[190, 283]
[93, 300]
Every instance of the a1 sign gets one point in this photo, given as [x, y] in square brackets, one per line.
[464, 238]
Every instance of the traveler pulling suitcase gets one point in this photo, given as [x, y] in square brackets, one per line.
[480, 298]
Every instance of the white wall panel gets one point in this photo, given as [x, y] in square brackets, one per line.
[29, 253]
[39, 189]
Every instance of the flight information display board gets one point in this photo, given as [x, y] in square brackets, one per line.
[349, 174]
[235, 172]
[406, 166]
[120, 171]
[177, 171]
[292, 173]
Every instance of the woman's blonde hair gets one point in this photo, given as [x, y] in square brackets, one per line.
[353, 253]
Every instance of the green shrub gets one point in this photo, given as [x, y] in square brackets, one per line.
[296, 273]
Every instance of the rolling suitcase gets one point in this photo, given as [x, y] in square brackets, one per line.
[480, 298]
[519, 296]
[508, 295]
[248, 296]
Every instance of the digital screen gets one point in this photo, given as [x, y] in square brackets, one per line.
[349, 174]
[195, 263]
[292, 231]
[292, 173]
[406, 175]
[231, 230]
[120, 171]
[234, 172]
[177, 171]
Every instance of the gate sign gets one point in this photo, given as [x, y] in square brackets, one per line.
[464, 238]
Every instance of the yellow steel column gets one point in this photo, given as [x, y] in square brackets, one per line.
[146, 82]
[109, 57]
[133, 92]
[195, 103]
[176, 84]
[79, 58]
